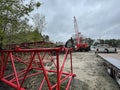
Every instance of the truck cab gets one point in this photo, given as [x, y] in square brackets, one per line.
[105, 48]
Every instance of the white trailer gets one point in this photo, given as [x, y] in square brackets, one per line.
[112, 62]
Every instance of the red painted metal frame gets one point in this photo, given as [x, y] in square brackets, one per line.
[39, 44]
[35, 59]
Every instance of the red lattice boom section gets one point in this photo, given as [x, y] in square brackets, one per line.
[18, 66]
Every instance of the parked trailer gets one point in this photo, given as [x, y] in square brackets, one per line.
[112, 62]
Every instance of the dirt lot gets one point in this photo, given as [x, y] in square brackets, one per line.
[91, 73]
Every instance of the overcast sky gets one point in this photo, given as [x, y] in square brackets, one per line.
[95, 18]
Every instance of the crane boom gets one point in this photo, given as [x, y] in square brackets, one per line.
[75, 25]
[76, 30]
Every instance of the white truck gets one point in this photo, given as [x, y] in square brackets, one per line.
[104, 48]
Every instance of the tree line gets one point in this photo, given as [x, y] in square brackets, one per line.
[111, 42]
[14, 18]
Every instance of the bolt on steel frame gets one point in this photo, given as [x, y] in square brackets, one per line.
[17, 66]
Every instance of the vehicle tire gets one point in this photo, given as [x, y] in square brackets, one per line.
[117, 77]
[111, 72]
[115, 50]
[106, 50]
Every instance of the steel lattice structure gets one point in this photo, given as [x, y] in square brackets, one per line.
[17, 66]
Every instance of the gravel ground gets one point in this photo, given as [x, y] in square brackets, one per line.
[91, 73]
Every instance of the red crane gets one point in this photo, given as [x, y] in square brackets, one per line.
[77, 42]
[79, 45]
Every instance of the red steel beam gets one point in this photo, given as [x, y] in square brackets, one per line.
[36, 59]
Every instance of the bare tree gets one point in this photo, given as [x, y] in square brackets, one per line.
[39, 21]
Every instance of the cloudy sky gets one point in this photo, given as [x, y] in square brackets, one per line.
[95, 18]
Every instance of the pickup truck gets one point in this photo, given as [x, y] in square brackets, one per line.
[105, 48]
